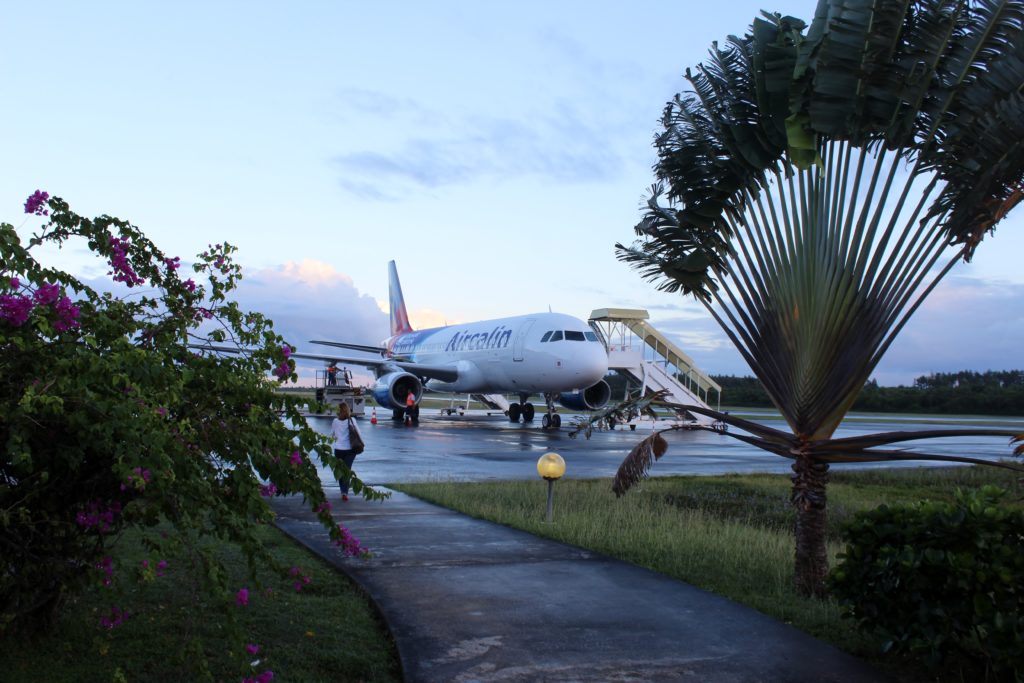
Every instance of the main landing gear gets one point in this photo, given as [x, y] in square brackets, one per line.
[551, 419]
[524, 410]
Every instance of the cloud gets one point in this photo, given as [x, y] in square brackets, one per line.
[966, 324]
[427, 317]
[309, 272]
[305, 300]
[560, 145]
[311, 300]
[380, 104]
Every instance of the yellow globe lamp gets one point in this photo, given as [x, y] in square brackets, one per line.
[551, 467]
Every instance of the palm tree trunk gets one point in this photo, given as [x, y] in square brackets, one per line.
[808, 497]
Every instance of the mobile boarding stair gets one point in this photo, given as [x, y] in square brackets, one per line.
[649, 358]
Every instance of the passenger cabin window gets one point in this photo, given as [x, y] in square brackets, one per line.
[557, 336]
[546, 336]
[572, 335]
[590, 336]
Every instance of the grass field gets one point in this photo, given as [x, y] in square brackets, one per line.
[327, 632]
[731, 534]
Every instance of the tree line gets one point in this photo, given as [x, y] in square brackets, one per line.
[994, 392]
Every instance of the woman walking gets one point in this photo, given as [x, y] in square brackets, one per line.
[342, 428]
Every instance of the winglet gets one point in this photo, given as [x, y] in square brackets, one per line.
[399, 316]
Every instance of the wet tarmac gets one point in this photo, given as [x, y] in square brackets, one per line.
[481, 448]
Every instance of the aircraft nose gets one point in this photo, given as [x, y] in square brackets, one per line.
[595, 364]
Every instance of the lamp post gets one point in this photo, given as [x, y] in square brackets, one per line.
[551, 466]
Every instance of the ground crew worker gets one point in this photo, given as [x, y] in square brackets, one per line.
[332, 373]
[410, 406]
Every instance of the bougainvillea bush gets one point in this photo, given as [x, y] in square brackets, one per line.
[109, 419]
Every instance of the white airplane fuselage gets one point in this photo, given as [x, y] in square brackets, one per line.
[507, 355]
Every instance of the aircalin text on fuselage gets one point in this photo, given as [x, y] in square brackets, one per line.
[463, 341]
[551, 354]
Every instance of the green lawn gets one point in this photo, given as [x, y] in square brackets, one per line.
[728, 534]
[327, 632]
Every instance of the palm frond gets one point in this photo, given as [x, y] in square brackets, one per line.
[620, 412]
[636, 465]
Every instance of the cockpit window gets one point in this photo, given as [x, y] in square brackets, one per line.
[557, 336]
[572, 335]
[546, 336]
[590, 336]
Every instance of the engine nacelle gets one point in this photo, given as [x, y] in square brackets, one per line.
[593, 397]
[391, 390]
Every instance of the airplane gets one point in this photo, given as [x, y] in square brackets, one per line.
[552, 354]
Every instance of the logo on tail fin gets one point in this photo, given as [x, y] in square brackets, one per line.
[399, 316]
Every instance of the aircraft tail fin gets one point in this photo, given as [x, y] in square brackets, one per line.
[399, 316]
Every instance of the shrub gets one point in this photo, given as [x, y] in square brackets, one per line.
[937, 579]
[110, 420]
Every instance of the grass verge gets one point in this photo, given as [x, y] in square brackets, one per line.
[730, 534]
[327, 632]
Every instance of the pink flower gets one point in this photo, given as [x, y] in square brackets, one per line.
[172, 263]
[287, 351]
[46, 294]
[264, 677]
[189, 285]
[15, 283]
[122, 269]
[296, 458]
[282, 371]
[268, 490]
[115, 619]
[252, 648]
[36, 203]
[15, 308]
[161, 566]
[67, 315]
[242, 597]
[137, 479]
[106, 565]
[349, 544]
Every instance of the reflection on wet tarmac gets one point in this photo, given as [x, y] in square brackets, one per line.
[481, 448]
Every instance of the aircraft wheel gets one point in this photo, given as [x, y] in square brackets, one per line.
[528, 412]
[556, 420]
[545, 422]
[514, 411]
[398, 415]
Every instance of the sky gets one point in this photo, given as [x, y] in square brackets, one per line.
[496, 151]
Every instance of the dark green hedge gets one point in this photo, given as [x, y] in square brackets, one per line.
[940, 580]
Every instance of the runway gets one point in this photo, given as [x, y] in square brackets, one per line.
[481, 448]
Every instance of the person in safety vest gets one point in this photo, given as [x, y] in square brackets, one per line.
[410, 407]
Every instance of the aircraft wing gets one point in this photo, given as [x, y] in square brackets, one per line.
[355, 347]
[444, 373]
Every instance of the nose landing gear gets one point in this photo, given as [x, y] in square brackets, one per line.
[551, 420]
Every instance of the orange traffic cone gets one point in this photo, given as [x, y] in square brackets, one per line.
[373, 416]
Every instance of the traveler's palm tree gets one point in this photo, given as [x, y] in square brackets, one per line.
[814, 187]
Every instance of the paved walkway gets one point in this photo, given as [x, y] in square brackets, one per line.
[468, 600]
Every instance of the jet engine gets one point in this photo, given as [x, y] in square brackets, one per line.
[391, 390]
[593, 397]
